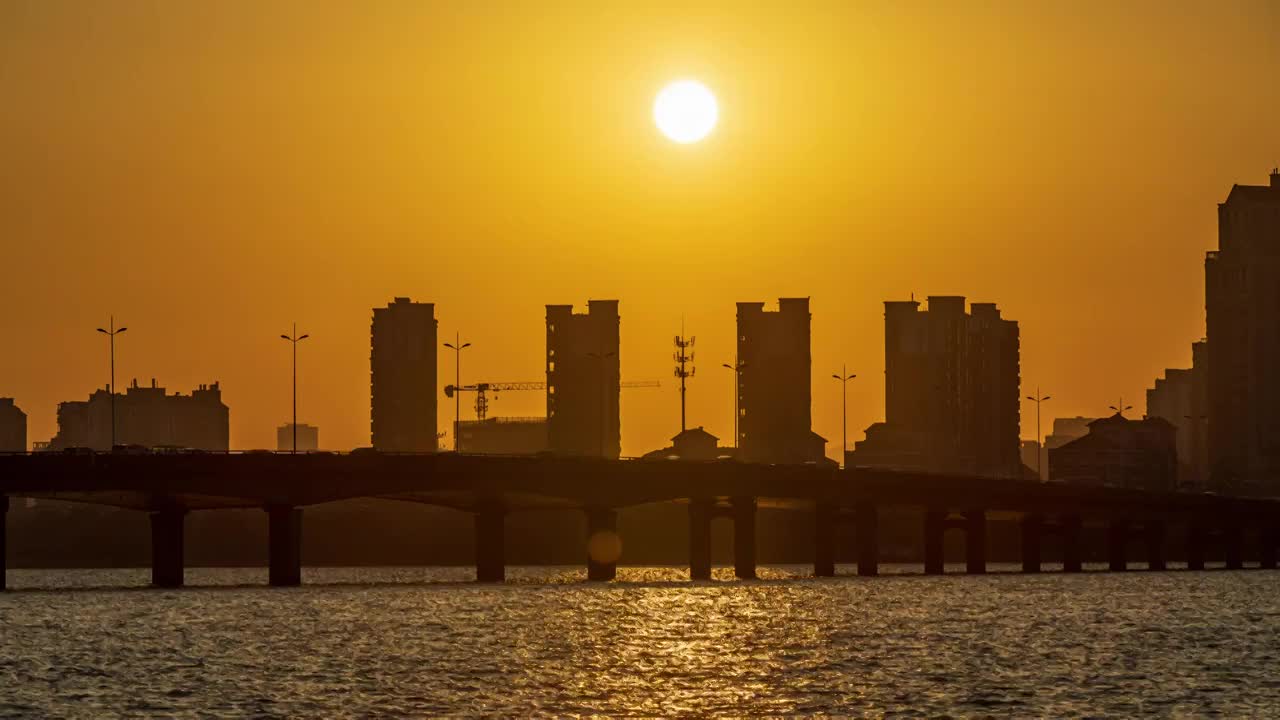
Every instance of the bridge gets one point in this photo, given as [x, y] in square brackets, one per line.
[168, 486]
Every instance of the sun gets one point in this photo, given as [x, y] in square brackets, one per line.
[685, 111]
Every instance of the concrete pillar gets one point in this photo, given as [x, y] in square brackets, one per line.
[4, 545]
[744, 537]
[935, 525]
[491, 520]
[167, 547]
[1072, 528]
[1196, 537]
[867, 528]
[700, 539]
[284, 545]
[1268, 540]
[1233, 547]
[824, 540]
[1117, 542]
[1032, 532]
[1154, 533]
[975, 542]
[602, 543]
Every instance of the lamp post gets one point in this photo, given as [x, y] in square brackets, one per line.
[1120, 407]
[737, 377]
[111, 334]
[1037, 399]
[600, 358]
[844, 377]
[457, 346]
[294, 339]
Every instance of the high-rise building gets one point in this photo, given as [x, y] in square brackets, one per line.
[13, 427]
[1180, 398]
[308, 438]
[1242, 303]
[402, 362]
[774, 421]
[583, 380]
[146, 416]
[951, 391]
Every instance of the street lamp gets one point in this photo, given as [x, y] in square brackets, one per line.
[1120, 407]
[294, 339]
[457, 346]
[844, 377]
[111, 389]
[737, 379]
[1037, 399]
[600, 358]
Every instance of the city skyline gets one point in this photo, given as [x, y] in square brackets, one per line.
[1078, 198]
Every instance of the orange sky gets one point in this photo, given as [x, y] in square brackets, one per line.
[212, 171]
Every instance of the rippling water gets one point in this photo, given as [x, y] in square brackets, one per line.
[360, 642]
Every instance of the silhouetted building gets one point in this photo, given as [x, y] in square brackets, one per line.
[1242, 278]
[1027, 452]
[1120, 452]
[146, 416]
[951, 391]
[402, 360]
[308, 437]
[583, 380]
[1067, 429]
[1180, 398]
[774, 423]
[13, 427]
[692, 444]
[503, 435]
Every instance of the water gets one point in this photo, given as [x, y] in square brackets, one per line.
[411, 641]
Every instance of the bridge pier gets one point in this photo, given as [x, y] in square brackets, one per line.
[1072, 527]
[935, 526]
[1196, 537]
[168, 547]
[491, 521]
[744, 537]
[1117, 545]
[284, 545]
[700, 511]
[1233, 546]
[866, 528]
[1032, 533]
[1268, 540]
[4, 534]
[603, 546]
[824, 540]
[1154, 532]
[975, 542]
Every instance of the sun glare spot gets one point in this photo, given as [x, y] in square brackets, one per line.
[685, 111]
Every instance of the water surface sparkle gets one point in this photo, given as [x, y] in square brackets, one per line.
[384, 641]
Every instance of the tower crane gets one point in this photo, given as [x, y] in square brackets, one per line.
[482, 390]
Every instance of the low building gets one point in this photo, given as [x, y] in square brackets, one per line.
[147, 417]
[1034, 461]
[1067, 429]
[13, 427]
[503, 435]
[308, 437]
[692, 444]
[1119, 452]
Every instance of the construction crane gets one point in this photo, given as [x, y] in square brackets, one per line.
[482, 391]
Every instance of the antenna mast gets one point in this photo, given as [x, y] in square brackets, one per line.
[684, 366]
